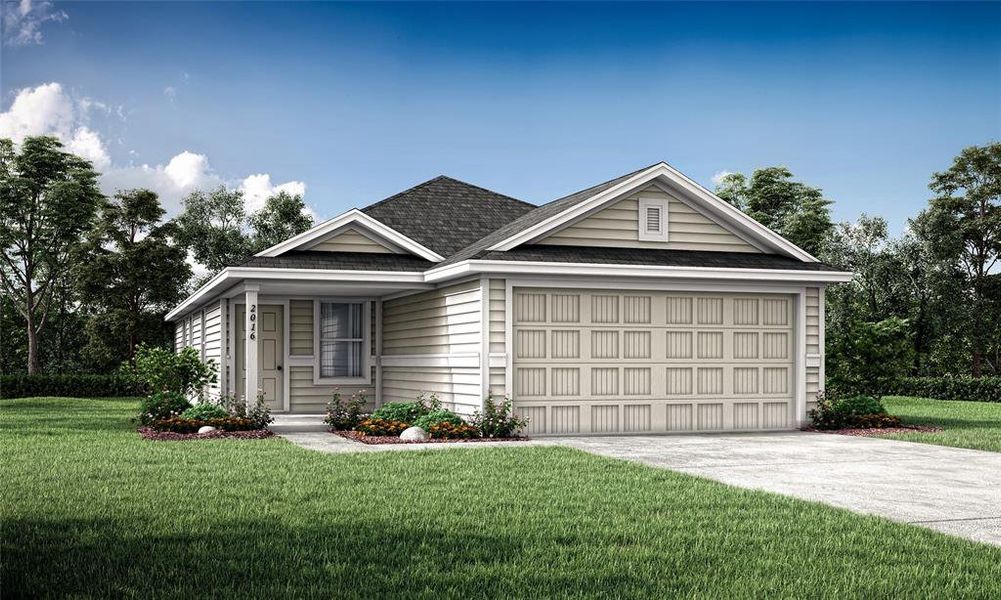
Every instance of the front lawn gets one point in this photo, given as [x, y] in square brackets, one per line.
[89, 509]
[964, 424]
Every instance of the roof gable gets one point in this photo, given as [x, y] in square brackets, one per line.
[537, 225]
[352, 239]
[617, 225]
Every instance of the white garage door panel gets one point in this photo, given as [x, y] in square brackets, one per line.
[589, 361]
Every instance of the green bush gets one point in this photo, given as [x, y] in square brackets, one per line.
[976, 389]
[204, 411]
[184, 372]
[408, 412]
[853, 412]
[258, 412]
[452, 431]
[868, 357]
[436, 417]
[497, 419]
[161, 406]
[75, 385]
[182, 425]
[343, 415]
[381, 427]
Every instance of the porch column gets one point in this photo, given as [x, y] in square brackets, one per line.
[250, 346]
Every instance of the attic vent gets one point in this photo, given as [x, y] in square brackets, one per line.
[653, 220]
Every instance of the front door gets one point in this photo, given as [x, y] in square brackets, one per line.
[270, 353]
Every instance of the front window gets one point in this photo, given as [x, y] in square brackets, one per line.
[341, 339]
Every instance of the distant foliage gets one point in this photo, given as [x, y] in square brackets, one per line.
[869, 357]
[72, 385]
[974, 389]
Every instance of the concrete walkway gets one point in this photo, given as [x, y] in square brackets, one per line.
[951, 490]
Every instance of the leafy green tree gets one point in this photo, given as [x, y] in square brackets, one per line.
[212, 227]
[871, 357]
[130, 272]
[797, 211]
[48, 198]
[283, 216]
[964, 223]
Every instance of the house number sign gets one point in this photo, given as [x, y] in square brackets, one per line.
[252, 316]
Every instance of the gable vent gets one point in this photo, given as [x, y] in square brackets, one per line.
[652, 220]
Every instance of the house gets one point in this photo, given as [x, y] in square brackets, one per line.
[641, 304]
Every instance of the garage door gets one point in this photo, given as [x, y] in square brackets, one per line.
[597, 362]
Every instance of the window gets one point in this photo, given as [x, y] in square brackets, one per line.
[653, 220]
[342, 339]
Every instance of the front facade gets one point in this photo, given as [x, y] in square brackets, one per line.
[644, 304]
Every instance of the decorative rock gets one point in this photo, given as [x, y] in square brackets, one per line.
[206, 429]
[414, 434]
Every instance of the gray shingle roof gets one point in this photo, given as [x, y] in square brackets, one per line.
[478, 247]
[446, 214]
[353, 261]
[661, 258]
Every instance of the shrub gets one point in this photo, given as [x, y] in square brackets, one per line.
[163, 370]
[408, 412]
[161, 406]
[343, 415]
[855, 411]
[376, 426]
[436, 417]
[79, 385]
[204, 411]
[867, 357]
[978, 389]
[453, 431]
[497, 419]
[182, 425]
[258, 412]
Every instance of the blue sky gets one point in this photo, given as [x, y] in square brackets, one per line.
[356, 102]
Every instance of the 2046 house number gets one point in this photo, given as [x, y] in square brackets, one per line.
[252, 317]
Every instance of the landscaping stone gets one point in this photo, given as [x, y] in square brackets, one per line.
[206, 429]
[414, 434]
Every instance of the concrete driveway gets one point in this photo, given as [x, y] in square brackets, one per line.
[952, 490]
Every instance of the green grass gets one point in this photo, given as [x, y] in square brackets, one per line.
[89, 509]
[964, 424]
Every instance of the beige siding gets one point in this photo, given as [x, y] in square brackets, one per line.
[618, 226]
[813, 321]
[178, 336]
[442, 321]
[306, 397]
[457, 387]
[300, 338]
[214, 344]
[498, 346]
[351, 241]
[598, 362]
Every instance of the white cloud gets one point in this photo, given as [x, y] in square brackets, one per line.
[258, 188]
[718, 177]
[22, 21]
[49, 110]
[170, 92]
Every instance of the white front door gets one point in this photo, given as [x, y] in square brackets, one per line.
[270, 353]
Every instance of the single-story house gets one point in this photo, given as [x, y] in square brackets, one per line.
[643, 304]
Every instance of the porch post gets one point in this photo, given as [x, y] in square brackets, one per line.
[250, 347]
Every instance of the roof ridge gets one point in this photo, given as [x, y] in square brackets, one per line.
[480, 187]
[448, 178]
[606, 182]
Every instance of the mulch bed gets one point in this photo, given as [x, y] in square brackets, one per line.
[148, 433]
[878, 432]
[394, 439]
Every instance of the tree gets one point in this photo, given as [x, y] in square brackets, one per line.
[130, 273]
[282, 217]
[964, 223]
[212, 227]
[48, 198]
[797, 211]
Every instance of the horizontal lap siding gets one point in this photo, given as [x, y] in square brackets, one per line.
[618, 226]
[214, 343]
[814, 322]
[306, 397]
[300, 338]
[498, 344]
[440, 325]
[351, 241]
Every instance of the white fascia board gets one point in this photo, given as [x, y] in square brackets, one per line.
[723, 209]
[353, 216]
[607, 270]
[324, 275]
